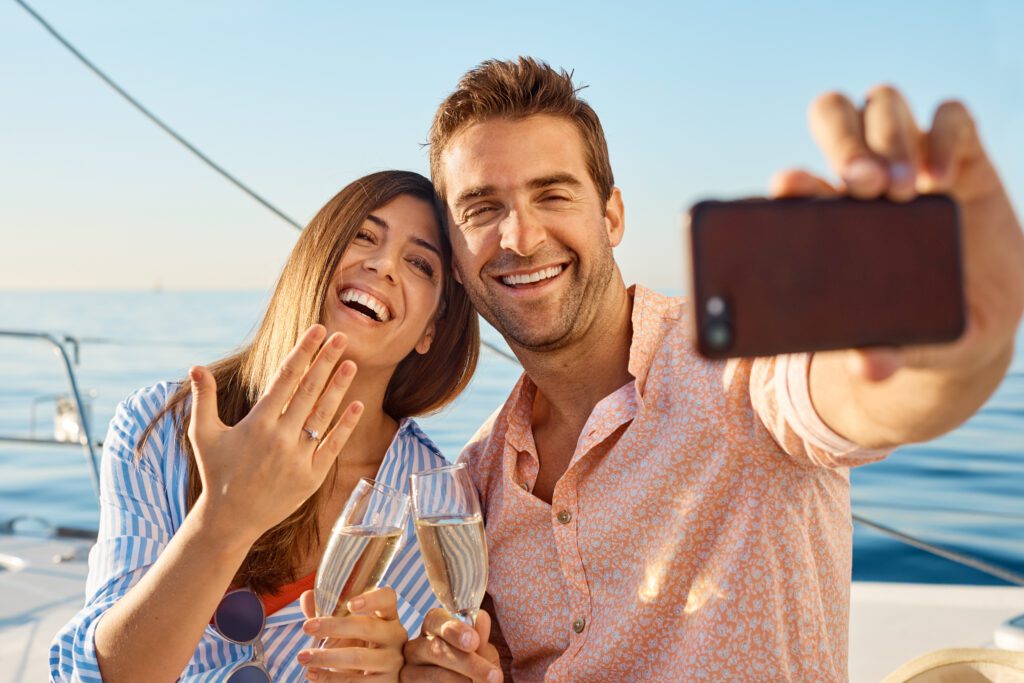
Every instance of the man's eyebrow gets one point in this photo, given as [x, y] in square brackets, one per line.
[415, 240]
[534, 184]
[555, 179]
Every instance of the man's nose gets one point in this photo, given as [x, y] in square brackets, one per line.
[522, 233]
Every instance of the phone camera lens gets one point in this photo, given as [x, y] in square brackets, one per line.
[718, 336]
[715, 306]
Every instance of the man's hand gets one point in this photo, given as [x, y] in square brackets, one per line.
[879, 151]
[449, 651]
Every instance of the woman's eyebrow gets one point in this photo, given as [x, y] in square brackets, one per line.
[377, 220]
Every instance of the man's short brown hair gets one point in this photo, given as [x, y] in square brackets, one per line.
[514, 90]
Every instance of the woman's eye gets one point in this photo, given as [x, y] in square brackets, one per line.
[423, 265]
[365, 236]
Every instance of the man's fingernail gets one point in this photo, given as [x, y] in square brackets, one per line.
[312, 675]
[311, 626]
[900, 174]
[860, 171]
[305, 657]
[466, 640]
[494, 676]
[356, 604]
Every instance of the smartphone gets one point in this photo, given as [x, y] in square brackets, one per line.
[775, 276]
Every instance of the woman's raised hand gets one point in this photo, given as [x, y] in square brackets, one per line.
[259, 471]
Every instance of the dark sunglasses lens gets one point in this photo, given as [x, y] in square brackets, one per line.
[240, 617]
[249, 674]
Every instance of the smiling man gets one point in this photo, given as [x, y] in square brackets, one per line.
[651, 515]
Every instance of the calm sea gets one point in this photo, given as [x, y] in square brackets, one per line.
[964, 491]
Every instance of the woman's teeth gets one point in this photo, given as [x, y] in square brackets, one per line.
[530, 278]
[356, 299]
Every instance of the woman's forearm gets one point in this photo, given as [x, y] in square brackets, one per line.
[151, 633]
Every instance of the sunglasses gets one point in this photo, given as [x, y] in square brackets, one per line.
[240, 619]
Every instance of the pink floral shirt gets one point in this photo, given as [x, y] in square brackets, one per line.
[701, 531]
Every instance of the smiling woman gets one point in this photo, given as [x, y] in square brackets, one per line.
[233, 480]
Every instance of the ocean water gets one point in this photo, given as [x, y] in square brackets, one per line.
[964, 491]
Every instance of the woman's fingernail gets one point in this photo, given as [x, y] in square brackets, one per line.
[305, 657]
[312, 675]
[466, 640]
[494, 676]
[356, 604]
[311, 626]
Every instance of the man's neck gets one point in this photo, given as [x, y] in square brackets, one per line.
[572, 380]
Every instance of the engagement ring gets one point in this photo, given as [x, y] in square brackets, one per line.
[312, 434]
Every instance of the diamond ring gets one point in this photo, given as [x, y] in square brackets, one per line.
[312, 434]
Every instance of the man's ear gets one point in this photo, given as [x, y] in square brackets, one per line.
[423, 345]
[455, 274]
[615, 217]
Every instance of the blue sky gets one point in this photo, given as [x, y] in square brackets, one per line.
[297, 99]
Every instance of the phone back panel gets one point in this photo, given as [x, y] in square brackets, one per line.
[789, 275]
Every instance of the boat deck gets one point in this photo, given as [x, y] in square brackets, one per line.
[890, 622]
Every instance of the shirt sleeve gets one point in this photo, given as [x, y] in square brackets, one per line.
[781, 396]
[135, 526]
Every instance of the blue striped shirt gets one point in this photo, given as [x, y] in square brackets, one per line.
[142, 504]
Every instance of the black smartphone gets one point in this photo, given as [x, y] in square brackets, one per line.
[777, 276]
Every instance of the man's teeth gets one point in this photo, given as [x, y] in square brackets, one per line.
[370, 302]
[529, 278]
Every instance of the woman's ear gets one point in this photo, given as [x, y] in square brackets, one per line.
[423, 345]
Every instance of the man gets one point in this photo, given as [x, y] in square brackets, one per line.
[652, 515]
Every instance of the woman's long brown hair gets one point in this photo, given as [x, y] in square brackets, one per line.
[420, 384]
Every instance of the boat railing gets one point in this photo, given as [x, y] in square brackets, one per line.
[73, 400]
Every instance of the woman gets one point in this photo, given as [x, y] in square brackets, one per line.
[192, 508]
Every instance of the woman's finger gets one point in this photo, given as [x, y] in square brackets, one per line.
[380, 602]
[891, 133]
[272, 404]
[336, 439]
[307, 601]
[204, 405]
[320, 418]
[312, 384]
[354, 659]
[360, 627]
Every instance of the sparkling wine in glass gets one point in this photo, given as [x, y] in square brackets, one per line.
[450, 530]
[363, 542]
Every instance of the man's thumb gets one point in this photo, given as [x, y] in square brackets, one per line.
[483, 626]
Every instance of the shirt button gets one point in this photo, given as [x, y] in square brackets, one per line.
[564, 517]
[579, 625]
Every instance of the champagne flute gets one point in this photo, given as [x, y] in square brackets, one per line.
[450, 530]
[363, 542]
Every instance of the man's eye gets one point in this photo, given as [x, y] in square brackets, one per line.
[478, 212]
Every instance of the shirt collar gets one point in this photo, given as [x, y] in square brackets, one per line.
[650, 310]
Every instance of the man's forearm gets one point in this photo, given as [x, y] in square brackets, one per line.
[912, 405]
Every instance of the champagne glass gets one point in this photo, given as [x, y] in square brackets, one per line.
[363, 542]
[450, 530]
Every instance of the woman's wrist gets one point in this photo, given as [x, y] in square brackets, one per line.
[223, 535]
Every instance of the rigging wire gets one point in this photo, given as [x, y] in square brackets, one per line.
[951, 555]
[152, 117]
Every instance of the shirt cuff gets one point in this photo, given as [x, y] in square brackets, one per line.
[824, 445]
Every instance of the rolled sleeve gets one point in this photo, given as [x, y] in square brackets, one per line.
[781, 396]
[134, 528]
